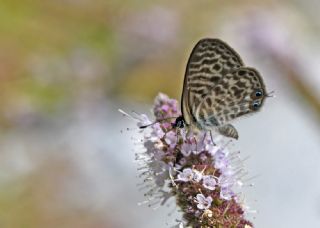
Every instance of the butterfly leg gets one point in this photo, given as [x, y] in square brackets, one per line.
[204, 137]
[177, 134]
[212, 138]
[195, 140]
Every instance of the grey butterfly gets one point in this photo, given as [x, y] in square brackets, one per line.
[218, 88]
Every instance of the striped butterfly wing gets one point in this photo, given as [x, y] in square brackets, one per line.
[239, 92]
[209, 62]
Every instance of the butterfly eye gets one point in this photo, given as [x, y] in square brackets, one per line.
[258, 93]
[255, 105]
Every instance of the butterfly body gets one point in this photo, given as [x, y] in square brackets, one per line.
[218, 88]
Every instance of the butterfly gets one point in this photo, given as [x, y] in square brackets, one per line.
[218, 88]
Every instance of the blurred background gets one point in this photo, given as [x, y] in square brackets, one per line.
[66, 66]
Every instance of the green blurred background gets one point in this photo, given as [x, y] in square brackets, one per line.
[66, 66]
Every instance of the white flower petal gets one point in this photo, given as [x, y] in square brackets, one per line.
[209, 182]
[186, 175]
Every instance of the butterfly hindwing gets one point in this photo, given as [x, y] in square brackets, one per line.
[239, 92]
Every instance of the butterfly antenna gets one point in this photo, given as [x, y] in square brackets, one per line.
[212, 138]
[148, 125]
[271, 94]
[157, 121]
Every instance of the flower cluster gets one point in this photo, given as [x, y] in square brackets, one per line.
[198, 172]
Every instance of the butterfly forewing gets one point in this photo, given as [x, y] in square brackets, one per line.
[209, 61]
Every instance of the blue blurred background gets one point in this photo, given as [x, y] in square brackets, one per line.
[66, 66]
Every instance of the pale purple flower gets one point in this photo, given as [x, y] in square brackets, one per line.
[186, 175]
[200, 145]
[203, 202]
[226, 193]
[212, 149]
[193, 146]
[165, 108]
[197, 175]
[143, 120]
[157, 131]
[209, 182]
[221, 161]
[203, 157]
[171, 139]
[187, 149]
[166, 125]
